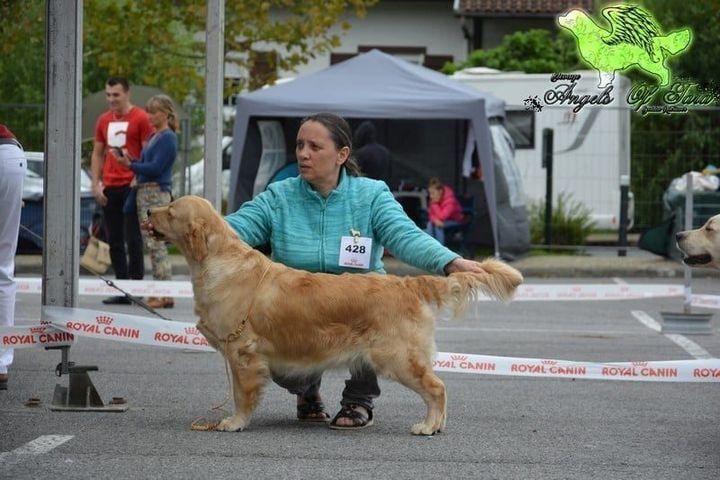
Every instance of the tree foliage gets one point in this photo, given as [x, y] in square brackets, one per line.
[531, 51]
[161, 42]
[667, 146]
[703, 17]
[22, 51]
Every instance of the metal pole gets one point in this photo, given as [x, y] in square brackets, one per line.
[61, 188]
[185, 154]
[688, 226]
[214, 63]
[547, 164]
[622, 230]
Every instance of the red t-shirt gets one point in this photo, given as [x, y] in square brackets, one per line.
[5, 132]
[127, 131]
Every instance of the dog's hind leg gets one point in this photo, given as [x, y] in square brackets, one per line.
[249, 375]
[414, 370]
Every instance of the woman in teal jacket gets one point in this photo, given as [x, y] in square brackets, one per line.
[329, 219]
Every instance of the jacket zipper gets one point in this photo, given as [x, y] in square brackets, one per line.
[322, 235]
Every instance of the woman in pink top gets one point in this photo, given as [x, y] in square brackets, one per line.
[444, 210]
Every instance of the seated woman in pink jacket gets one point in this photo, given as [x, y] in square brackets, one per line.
[444, 209]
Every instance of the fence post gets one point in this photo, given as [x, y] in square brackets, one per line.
[687, 271]
[61, 197]
[61, 190]
[622, 230]
[214, 63]
[185, 154]
[547, 164]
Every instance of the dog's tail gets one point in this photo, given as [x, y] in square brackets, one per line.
[498, 281]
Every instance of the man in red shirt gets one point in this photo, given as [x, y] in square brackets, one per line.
[124, 127]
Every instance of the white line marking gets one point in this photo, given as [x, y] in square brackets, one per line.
[691, 347]
[685, 343]
[547, 331]
[39, 446]
[646, 320]
[42, 444]
[619, 281]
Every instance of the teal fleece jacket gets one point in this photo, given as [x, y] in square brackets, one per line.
[304, 229]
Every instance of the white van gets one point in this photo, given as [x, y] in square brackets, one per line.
[591, 146]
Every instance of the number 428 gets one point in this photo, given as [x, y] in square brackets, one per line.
[355, 249]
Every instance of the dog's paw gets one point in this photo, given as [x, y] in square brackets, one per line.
[232, 424]
[424, 429]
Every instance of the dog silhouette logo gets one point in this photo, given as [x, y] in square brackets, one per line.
[634, 39]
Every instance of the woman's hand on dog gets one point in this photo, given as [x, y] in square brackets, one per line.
[463, 265]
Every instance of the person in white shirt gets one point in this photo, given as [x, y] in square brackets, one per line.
[13, 165]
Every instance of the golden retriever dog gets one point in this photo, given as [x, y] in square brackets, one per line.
[268, 319]
[701, 247]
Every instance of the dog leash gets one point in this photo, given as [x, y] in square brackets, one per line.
[196, 425]
[111, 284]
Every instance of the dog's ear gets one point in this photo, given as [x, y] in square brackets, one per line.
[196, 242]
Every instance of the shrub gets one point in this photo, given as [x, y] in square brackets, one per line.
[570, 221]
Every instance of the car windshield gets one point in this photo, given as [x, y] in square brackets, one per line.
[35, 168]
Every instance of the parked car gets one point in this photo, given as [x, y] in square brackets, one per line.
[31, 217]
[195, 174]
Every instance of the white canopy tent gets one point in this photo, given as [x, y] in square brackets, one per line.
[372, 85]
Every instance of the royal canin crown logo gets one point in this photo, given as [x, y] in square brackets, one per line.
[104, 319]
[640, 364]
[192, 331]
[459, 357]
[39, 329]
[45, 322]
[549, 362]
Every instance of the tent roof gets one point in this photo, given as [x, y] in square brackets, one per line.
[371, 85]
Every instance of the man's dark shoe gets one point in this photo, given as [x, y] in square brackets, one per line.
[117, 301]
[3, 381]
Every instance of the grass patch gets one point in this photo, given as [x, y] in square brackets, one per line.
[570, 223]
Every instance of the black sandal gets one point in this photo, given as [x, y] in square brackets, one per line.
[312, 412]
[359, 419]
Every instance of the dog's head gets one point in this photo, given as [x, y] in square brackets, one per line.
[188, 222]
[701, 247]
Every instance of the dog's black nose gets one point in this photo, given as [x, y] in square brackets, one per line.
[148, 212]
[679, 236]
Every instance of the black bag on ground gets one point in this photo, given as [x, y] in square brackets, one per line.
[657, 239]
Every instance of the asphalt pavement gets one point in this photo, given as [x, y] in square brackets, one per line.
[499, 426]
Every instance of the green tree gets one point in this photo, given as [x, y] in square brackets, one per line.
[703, 17]
[666, 146]
[22, 51]
[531, 51]
[159, 42]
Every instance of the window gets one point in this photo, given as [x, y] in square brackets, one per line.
[521, 126]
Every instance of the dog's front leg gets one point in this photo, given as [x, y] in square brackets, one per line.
[249, 375]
